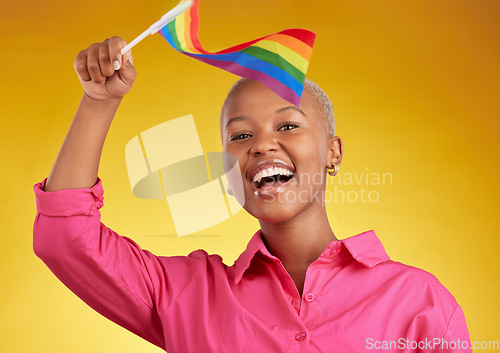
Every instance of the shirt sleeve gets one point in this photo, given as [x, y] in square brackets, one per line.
[111, 273]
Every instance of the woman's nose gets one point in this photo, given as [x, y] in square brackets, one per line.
[264, 143]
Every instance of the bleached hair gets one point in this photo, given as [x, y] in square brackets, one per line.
[324, 103]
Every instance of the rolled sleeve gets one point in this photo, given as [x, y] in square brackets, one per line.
[70, 202]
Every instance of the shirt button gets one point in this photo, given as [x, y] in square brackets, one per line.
[300, 336]
[309, 297]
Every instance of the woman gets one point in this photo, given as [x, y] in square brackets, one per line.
[295, 288]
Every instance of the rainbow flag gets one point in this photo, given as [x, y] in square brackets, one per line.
[279, 60]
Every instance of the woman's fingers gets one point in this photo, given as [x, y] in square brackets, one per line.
[81, 66]
[105, 62]
[122, 63]
[101, 60]
[93, 64]
[104, 72]
[115, 46]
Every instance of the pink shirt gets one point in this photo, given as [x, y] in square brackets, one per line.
[355, 298]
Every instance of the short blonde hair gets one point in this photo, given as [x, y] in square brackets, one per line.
[325, 105]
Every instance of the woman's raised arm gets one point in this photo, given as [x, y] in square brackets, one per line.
[107, 76]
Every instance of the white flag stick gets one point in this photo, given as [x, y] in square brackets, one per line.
[155, 27]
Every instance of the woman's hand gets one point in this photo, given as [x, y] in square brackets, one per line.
[104, 72]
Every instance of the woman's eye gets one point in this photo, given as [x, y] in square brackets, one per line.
[288, 126]
[240, 137]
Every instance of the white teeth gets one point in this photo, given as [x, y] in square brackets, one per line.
[270, 171]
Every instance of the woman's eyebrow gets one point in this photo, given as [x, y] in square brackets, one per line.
[290, 107]
[238, 118]
[281, 110]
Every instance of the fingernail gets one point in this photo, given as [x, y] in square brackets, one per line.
[116, 65]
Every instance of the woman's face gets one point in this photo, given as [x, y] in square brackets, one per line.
[282, 151]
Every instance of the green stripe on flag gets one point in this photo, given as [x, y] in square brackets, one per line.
[276, 60]
[173, 33]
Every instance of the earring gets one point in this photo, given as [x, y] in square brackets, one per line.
[334, 170]
[229, 191]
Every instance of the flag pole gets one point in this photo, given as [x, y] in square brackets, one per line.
[155, 27]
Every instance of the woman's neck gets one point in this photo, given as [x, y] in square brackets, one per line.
[298, 242]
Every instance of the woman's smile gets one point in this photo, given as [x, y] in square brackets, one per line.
[270, 177]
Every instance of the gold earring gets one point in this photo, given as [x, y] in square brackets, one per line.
[334, 170]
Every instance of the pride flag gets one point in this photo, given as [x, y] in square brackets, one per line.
[279, 60]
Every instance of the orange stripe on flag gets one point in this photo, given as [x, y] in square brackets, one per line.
[187, 33]
[295, 44]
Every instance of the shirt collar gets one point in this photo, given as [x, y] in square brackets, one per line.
[365, 248]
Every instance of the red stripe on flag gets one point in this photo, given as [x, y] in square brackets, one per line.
[303, 35]
[194, 27]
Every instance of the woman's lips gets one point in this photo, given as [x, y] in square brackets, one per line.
[265, 164]
[270, 189]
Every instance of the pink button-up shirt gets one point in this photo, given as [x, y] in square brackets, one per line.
[355, 298]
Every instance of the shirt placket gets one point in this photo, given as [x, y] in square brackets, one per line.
[310, 303]
[298, 334]
[311, 296]
[307, 308]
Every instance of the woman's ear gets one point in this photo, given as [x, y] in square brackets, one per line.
[335, 151]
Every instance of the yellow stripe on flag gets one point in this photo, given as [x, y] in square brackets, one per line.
[180, 29]
[295, 44]
[286, 53]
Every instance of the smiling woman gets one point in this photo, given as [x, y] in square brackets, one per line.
[296, 287]
[265, 132]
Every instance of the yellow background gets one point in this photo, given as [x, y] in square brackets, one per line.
[415, 88]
